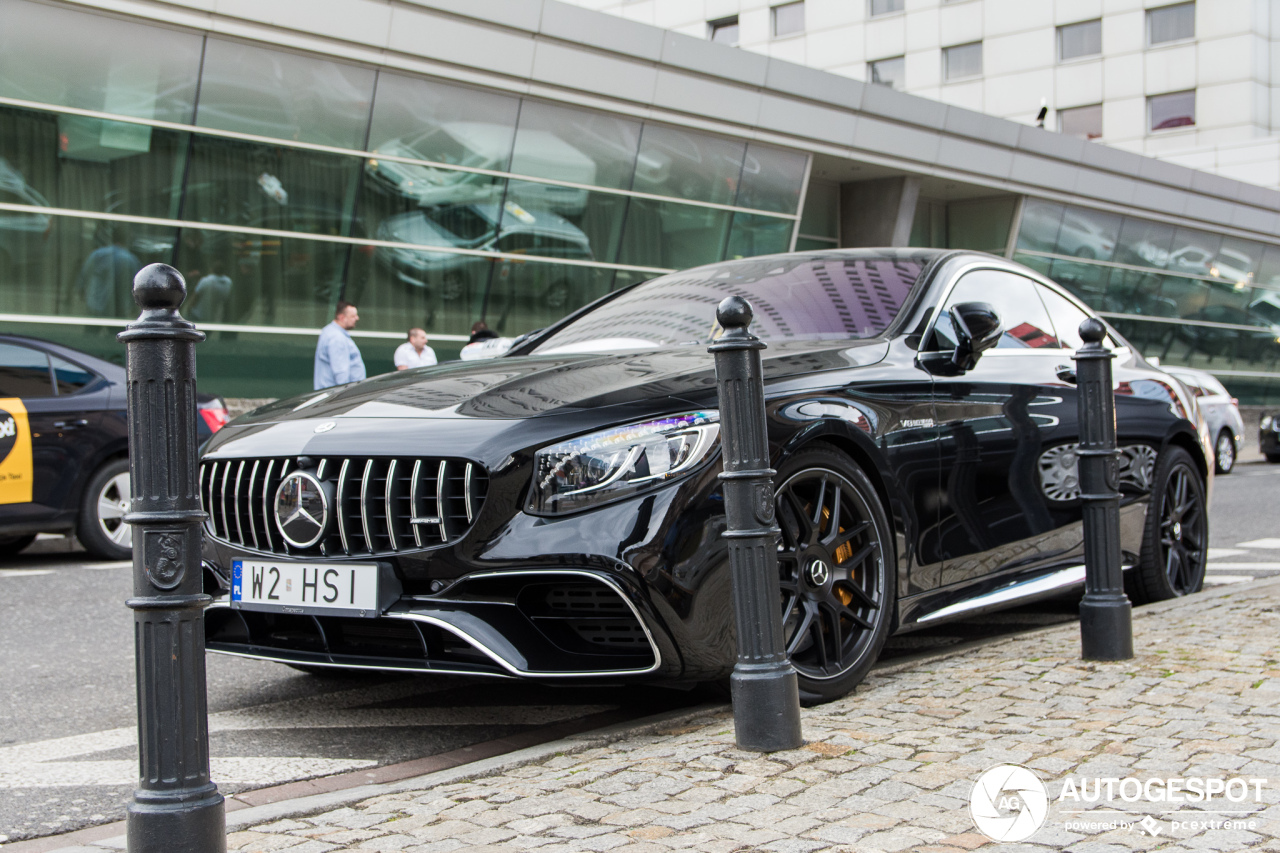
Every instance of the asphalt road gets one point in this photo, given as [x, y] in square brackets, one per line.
[67, 713]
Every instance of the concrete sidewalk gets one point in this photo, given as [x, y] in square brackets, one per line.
[889, 768]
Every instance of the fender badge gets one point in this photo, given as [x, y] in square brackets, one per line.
[326, 426]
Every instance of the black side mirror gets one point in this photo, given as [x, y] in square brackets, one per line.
[978, 328]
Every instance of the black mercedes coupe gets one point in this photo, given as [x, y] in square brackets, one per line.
[555, 513]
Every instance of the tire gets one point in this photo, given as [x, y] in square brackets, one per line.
[1224, 452]
[836, 572]
[10, 546]
[1176, 533]
[1273, 457]
[100, 527]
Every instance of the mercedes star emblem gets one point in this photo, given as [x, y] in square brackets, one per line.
[302, 509]
[326, 426]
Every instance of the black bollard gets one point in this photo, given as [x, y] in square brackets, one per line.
[176, 808]
[1106, 623]
[766, 697]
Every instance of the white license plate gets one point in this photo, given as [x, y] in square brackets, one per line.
[350, 588]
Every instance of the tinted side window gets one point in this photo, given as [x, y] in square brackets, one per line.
[1066, 318]
[1026, 323]
[69, 378]
[24, 372]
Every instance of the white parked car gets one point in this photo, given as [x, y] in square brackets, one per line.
[1221, 413]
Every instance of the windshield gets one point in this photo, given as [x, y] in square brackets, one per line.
[827, 297]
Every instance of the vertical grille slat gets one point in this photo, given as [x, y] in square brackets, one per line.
[387, 496]
[441, 482]
[253, 526]
[399, 504]
[342, 510]
[266, 504]
[364, 507]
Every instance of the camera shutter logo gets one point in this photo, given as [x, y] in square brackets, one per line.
[1008, 803]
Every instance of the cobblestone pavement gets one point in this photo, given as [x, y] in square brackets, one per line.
[892, 766]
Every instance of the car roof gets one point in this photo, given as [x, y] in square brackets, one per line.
[113, 372]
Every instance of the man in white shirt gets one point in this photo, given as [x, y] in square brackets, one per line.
[414, 352]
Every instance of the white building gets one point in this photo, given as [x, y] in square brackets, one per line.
[1190, 82]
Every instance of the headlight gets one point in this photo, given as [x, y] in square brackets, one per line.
[617, 462]
[1266, 422]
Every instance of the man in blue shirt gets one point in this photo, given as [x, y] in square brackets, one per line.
[338, 358]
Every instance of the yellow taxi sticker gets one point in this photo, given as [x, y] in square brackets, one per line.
[15, 452]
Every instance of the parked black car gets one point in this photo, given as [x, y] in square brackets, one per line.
[64, 462]
[555, 513]
[1269, 436]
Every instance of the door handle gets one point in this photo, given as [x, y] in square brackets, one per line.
[1066, 373]
[70, 425]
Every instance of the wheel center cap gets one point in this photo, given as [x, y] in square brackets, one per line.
[1177, 530]
[818, 572]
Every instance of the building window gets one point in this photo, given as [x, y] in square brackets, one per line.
[1085, 122]
[885, 7]
[1171, 23]
[1079, 40]
[1176, 109]
[788, 19]
[963, 60]
[888, 72]
[723, 31]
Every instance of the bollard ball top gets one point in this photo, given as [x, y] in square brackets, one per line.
[1092, 330]
[158, 286]
[734, 311]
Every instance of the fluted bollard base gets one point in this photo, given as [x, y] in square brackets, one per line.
[766, 706]
[1106, 627]
[766, 695]
[189, 826]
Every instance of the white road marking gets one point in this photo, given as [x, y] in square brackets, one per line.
[1225, 579]
[1272, 544]
[1269, 567]
[1216, 553]
[52, 764]
[114, 564]
[24, 573]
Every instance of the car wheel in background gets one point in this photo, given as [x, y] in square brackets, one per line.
[1176, 536]
[101, 528]
[1224, 452]
[1273, 457]
[11, 545]
[836, 567]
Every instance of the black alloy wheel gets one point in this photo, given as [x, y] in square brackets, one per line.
[1224, 452]
[1176, 536]
[835, 562]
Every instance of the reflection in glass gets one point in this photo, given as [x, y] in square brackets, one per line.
[753, 234]
[76, 267]
[526, 296]
[1192, 251]
[674, 236]
[424, 120]
[580, 146]
[771, 179]
[1041, 221]
[260, 280]
[121, 67]
[1089, 234]
[690, 165]
[1237, 262]
[272, 93]
[268, 186]
[821, 217]
[1144, 243]
[1177, 109]
[1084, 122]
[591, 227]
[37, 169]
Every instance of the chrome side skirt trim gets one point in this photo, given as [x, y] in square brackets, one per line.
[1062, 579]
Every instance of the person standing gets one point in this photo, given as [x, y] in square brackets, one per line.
[414, 352]
[338, 358]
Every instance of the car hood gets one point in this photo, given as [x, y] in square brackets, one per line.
[533, 386]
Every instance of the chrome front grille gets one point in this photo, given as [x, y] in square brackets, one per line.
[377, 505]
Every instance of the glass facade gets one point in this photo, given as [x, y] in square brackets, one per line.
[1188, 297]
[281, 182]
